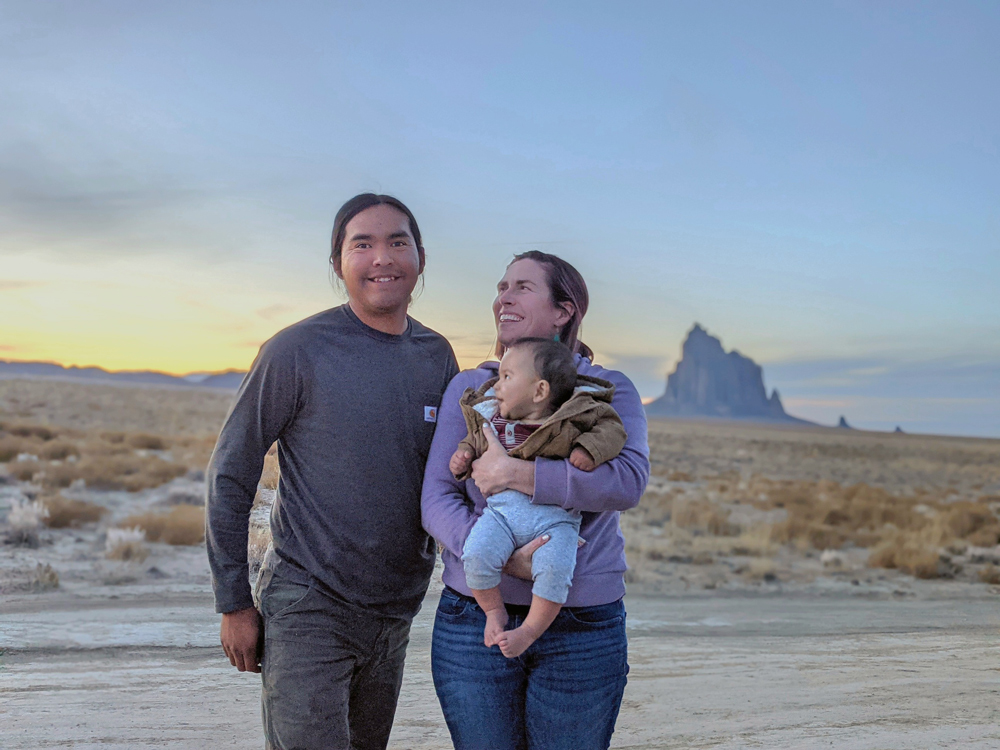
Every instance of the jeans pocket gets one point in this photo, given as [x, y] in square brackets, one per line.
[279, 596]
[452, 606]
[599, 616]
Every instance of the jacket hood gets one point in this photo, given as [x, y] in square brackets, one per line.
[588, 389]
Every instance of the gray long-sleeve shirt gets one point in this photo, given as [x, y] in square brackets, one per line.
[353, 411]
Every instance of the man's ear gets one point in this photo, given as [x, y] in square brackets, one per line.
[338, 268]
[542, 391]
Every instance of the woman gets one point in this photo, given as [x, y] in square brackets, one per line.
[566, 689]
[350, 395]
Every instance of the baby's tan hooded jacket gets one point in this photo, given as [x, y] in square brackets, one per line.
[586, 419]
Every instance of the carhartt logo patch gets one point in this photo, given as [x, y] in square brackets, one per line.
[430, 414]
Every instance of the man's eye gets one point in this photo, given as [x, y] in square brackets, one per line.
[362, 246]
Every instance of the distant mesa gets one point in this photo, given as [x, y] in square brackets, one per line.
[843, 423]
[230, 379]
[899, 430]
[711, 382]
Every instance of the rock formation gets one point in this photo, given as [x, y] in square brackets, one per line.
[230, 379]
[710, 382]
[843, 423]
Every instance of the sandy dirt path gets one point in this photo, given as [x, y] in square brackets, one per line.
[775, 671]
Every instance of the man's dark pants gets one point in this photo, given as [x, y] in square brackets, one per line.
[331, 672]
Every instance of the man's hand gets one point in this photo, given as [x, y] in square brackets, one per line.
[581, 459]
[519, 563]
[496, 471]
[240, 634]
[460, 461]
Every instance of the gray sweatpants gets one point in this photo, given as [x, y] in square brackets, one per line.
[331, 673]
[511, 521]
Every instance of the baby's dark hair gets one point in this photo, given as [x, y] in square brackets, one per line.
[553, 363]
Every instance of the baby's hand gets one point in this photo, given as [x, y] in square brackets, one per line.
[582, 460]
[460, 462]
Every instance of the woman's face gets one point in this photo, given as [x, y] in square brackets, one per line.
[379, 261]
[523, 306]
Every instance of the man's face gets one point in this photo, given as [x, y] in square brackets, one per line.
[517, 390]
[379, 261]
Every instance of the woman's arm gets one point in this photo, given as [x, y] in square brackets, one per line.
[445, 512]
[615, 485]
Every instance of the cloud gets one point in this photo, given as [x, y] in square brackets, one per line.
[950, 377]
[48, 198]
[9, 348]
[953, 396]
[647, 372]
[274, 311]
[9, 285]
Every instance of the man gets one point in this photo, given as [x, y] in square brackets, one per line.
[351, 397]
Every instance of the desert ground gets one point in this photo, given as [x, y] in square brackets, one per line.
[788, 587]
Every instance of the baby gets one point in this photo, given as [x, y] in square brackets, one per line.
[538, 406]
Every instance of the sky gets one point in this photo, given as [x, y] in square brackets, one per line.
[818, 184]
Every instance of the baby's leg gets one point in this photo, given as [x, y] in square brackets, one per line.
[541, 614]
[487, 549]
[553, 573]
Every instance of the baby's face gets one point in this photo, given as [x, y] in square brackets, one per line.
[518, 384]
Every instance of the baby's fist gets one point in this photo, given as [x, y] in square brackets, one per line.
[582, 460]
[460, 462]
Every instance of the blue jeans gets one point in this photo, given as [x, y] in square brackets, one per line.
[563, 693]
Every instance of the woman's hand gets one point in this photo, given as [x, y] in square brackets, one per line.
[519, 563]
[496, 471]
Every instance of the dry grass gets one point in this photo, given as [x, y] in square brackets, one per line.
[904, 532]
[44, 578]
[122, 472]
[36, 431]
[25, 519]
[990, 574]
[269, 475]
[127, 545]
[257, 543]
[181, 525]
[752, 542]
[96, 407]
[921, 496]
[66, 513]
[761, 569]
[908, 554]
[58, 450]
[144, 441]
[102, 460]
[10, 447]
[703, 515]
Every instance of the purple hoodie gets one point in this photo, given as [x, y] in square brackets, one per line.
[601, 494]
